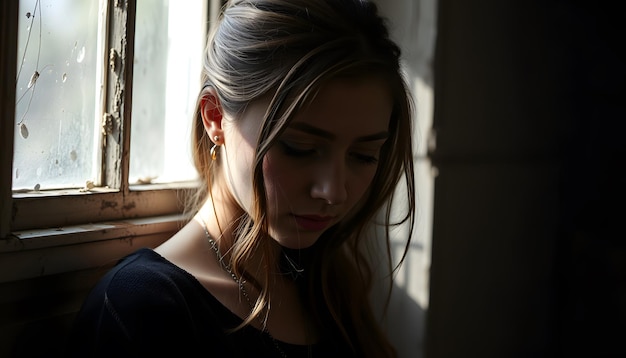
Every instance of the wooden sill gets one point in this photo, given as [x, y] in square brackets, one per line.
[34, 253]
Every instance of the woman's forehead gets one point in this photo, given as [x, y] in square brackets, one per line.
[355, 105]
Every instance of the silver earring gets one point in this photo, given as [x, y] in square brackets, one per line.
[216, 138]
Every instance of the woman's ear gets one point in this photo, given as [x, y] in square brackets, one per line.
[211, 112]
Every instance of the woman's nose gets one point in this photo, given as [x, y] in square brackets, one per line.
[330, 184]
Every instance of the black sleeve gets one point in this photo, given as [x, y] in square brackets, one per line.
[134, 311]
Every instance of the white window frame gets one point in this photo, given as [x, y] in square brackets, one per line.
[50, 232]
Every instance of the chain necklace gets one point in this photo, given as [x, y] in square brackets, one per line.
[239, 283]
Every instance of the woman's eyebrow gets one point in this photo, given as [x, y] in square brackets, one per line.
[307, 128]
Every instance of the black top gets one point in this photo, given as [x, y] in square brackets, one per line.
[147, 306]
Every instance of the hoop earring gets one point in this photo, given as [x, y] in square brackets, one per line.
[213, 152]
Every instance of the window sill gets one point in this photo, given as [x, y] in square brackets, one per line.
[32, 211]
[33, 253]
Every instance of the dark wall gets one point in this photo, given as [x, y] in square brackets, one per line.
[36, 314]
[528, 253]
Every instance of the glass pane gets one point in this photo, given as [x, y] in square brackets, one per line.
[56, 95]
[169, 40]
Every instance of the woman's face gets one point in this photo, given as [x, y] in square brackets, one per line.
[320, 167]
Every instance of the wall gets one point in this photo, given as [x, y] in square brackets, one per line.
[528, 256]
[412, 24]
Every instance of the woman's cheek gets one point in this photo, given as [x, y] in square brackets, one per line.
[279, 176]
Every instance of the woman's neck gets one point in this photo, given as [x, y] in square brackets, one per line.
[222, 218]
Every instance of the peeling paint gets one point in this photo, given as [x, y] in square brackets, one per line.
[129, 206]
[113, 120]
[119, 95]
[114, 61]
[108, 205]
[107, 124]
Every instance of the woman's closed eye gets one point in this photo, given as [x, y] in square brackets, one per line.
[294, 150]
[306, 150]
[365, 158]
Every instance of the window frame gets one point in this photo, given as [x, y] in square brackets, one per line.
[33, 224]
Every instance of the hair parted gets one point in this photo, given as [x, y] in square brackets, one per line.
[287, 50]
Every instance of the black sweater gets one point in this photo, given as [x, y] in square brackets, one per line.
[147, 306]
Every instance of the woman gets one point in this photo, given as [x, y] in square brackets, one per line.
[302, 133]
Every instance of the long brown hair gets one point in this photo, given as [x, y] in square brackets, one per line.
[289, 49]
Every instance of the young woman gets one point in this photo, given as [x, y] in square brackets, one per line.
[302, 134]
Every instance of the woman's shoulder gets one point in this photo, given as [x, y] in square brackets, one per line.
[144, 286]
[145, 261]
[141, 282]
[145, 299]
[142, 273]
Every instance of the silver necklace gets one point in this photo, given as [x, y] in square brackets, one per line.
[239, 283]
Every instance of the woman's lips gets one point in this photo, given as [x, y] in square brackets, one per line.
[313, 222]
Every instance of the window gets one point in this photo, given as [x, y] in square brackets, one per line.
[93, 92]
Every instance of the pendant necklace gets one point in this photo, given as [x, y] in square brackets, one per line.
[239, 283]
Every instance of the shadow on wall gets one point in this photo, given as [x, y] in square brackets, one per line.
[403, 317]
[406, 324]
[403, 321]
[592, 257]
[37, 325]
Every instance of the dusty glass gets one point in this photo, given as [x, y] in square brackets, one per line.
[56, 94]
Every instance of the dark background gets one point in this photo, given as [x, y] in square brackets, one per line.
[528, 252]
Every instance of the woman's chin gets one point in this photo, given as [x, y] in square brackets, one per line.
[299, 241]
